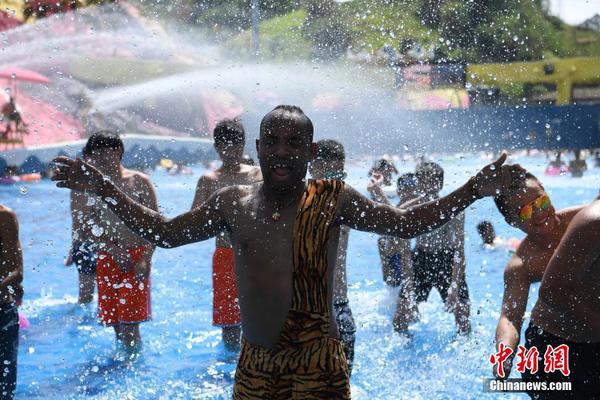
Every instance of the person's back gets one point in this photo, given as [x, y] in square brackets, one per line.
[566, 315]
[11, 293]
[229, 138]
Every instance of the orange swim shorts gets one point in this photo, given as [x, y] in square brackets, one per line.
[122, 298]
[226, 308]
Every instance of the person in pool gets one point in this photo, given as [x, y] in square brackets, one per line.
[567, 312]
[530, 210]
[382, 172]
[83, 248]
[229, 138]
[399, 263]
[490, 241]
[577, 166]
[11, 293]
[124, 258]
[285, 235]
[328, 163]
[438, 259]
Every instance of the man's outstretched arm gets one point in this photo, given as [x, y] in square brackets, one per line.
[193, 226]
[362, 214]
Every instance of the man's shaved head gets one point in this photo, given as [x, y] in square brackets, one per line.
[283, 115]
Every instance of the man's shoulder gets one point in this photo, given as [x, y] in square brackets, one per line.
[134, 174]
[250, 169]
[140, 180]
[516, 269]
[528, 259]
[587, 218]
[6, 213]
[8, 218]
[238, 191]
[209, 176]
[570, 212]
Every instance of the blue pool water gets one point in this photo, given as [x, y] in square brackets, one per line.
[66, 355]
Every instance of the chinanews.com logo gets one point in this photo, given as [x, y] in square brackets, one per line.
[555, 359]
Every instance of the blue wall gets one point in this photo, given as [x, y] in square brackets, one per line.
[479, 128]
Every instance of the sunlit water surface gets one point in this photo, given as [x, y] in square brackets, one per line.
[66, 355]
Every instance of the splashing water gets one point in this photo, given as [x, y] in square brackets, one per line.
[183, 356]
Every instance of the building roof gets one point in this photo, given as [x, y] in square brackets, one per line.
[592, 23]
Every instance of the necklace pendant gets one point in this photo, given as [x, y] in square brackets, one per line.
[276, 216]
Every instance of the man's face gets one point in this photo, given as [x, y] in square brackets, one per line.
[284, 151]
[542, 221]
[230, 152]
[105, 159]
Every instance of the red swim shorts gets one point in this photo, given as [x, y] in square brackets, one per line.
[226, 308]
[122, 298]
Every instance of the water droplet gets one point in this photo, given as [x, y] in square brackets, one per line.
[97, 230]
[24, 189]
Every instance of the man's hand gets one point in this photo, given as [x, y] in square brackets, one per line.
[77, 175]
[496, 177]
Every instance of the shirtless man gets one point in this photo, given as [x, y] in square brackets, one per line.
[11, 292]
[285, 236]
[567, 311]
[329, 164]
[438, 260]
[530, 210]
[230, 138]
[83, 248]
[124, 258]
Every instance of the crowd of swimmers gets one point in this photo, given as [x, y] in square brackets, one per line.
[279, 267]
